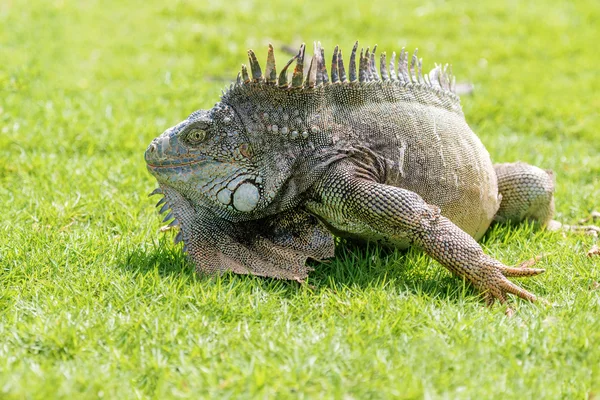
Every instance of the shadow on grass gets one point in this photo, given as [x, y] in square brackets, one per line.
[355, 265]
[368, 265]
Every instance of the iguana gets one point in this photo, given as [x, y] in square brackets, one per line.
[262, 181]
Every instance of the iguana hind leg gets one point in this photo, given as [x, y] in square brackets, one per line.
[527, 193]
[352, 203]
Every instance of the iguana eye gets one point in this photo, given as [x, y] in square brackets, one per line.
[195, 136]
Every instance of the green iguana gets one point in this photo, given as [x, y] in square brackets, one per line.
[259, 183]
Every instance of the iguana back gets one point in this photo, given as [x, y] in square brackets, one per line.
[407, 126]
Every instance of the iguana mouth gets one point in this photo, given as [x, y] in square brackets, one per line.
[160, 155]
[173, 165]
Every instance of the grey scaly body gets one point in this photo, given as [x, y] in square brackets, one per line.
[258, 183]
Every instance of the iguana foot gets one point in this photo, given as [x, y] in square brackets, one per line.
[494, 284]
[587, 229]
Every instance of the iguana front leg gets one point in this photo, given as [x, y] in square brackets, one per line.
[350, 201]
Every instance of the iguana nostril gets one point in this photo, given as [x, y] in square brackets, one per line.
[150, 151]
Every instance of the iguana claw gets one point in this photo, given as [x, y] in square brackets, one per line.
[496, 287]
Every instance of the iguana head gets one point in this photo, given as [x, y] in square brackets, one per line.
[253, 153]
[208, 159]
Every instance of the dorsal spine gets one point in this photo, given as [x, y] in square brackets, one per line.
[401, 72]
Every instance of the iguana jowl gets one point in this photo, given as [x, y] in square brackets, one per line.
[259, 182]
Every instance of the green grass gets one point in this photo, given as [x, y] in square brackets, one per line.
[95, 302]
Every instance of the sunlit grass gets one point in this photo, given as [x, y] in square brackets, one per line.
[95, 302]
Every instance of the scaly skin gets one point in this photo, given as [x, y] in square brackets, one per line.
[397, 215]
[258, 183]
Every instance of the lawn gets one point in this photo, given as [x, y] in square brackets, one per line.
[96, 302]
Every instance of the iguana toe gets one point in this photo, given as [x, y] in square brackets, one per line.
[496, 285]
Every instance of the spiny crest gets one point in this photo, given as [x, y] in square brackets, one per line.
[406, 71]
